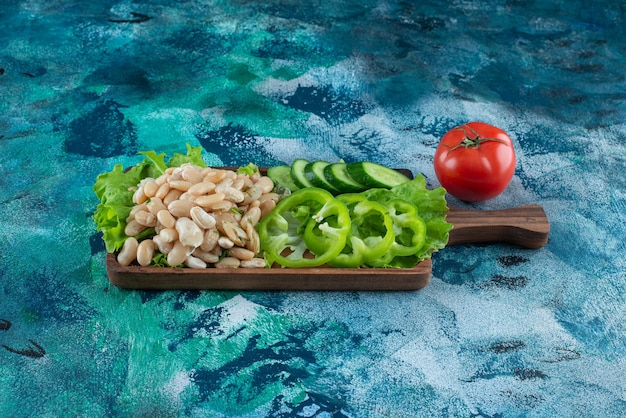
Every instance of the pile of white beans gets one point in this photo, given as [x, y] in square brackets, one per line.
[202, 217]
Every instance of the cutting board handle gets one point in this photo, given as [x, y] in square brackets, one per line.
[526, 226]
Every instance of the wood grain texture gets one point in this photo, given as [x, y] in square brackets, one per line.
[319, 278]
[526, 226]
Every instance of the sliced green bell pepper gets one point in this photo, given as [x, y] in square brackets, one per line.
[431, 208]
[410, 234]
[371, 233]
[308, 219]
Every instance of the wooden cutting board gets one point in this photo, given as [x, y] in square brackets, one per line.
[525, 226]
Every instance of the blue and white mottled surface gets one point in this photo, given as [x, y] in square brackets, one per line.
[499, 331]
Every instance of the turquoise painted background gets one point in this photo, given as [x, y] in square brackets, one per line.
[499, 331]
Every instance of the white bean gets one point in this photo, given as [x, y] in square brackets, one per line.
[171, 196]
[164, 189]
[228, 262]
[211, 236]
[163, 246]
[224, 205]
[150, 188]
[253, 242]
[234, 232]
[211, 200]
[202, 188]
[161, 180]
[252, 194]
[252, 216]
[222, 185]
[247, 181]
[145, 252]
[136, 209]
[133, 228]
[222, 217]
[194, 262]
[269, 196]
[128, 253]
[238, 183]
[202, 218]
[178, 255]
[187, 196]
[146, 219]
[265, 184]
[225, 243]
[218, 251]
[191, 173]
[166, 218]
[266, 207]
[155, 205]
[181, 185]
[189, 234]
[180, 208]
[175, 173]
[169, 234]
[253, 263]
[215, 176]
[139, 196]
[233, 195]
[206, 256]
[241, 253]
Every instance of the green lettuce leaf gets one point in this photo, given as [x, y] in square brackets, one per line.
[193, 156]
[115, 191]
[156, 161]
[249, 169]
[432, 208]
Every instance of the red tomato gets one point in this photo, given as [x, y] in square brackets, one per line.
[475, 162]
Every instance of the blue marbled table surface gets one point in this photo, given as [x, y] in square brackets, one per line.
[500, 331]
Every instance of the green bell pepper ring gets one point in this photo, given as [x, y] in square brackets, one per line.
[307, 215]
[371, 233]
[410, 236]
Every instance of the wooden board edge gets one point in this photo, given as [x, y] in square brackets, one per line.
[308, 279]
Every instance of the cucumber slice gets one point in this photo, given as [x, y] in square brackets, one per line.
[337, 175]
[298, 174]
[375, 175]
[314, 171]
[281, 176]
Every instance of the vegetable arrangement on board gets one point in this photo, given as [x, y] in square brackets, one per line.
[179, 212]
[392, 221]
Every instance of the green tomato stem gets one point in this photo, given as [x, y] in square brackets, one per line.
[472, 142]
